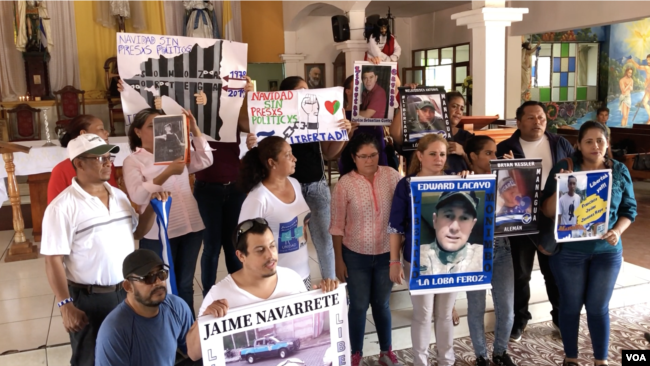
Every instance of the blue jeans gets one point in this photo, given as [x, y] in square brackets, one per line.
[369, 284]
[219, 206]
[185, 251]
[318, 198]
[585, 279]
[503, 294]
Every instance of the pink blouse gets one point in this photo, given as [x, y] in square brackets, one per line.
[139, 173]
[360, 210]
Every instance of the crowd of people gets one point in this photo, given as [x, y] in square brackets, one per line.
[263, 210]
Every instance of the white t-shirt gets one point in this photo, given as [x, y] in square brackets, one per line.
[540, 149]
[289, 283]
[287, 222]
[568, 206]
[93, 239]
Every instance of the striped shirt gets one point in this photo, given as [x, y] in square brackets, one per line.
[139, 173]
[93, 239]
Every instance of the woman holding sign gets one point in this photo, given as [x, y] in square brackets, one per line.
[586, 271]
[429, 160]
[480, 150]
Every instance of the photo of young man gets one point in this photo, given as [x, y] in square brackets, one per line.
[568, 203]
[423, 116]
[373, 98]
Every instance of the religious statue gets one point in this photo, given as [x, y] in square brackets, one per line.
[120, 10]
[527, 64]
[200, 20]
[381, 43]
[32, 23]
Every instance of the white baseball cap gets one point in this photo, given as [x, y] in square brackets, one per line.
[89, 143]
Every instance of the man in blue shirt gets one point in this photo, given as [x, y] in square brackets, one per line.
[148, 327]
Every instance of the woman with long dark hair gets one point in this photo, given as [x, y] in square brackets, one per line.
[310, 173]
[63, 172]
[142, 177]
[586, 271]
[480, 150]
[360, 210]
[276, 197]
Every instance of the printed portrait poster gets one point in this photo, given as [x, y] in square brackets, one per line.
[170, 139]
[582, 206]
[304, 329]
[298, 116]
[453, 229]
[518, 191]
[179, 70]
[373, 98]
[424, 112]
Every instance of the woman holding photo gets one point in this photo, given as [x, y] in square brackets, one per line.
[480, 150]
[429, 160]
[586, 271]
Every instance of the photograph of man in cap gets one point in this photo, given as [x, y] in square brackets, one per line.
[424, 116]
[453, 221]
[147, 327]
[168, 146]
[513, 203]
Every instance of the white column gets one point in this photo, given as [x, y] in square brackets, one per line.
[293, 64]
[488, 27]
[513, 76]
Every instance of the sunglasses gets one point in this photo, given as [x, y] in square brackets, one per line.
[150, 279]
[248, 224]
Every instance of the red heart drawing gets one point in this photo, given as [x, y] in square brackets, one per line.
[332, 106]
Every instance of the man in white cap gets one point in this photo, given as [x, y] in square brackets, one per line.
[88, 230]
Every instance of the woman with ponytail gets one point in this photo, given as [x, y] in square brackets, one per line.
[63, 172]
[276, 197]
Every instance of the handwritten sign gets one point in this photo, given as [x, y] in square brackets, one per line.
[313, 324]
[204, 76]
[582, 205]
[462, 261]
[374, 100]
[299, 116]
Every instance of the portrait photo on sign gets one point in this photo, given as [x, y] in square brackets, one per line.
[451, 232]
[315, 75]
[424, 112]
[300, 341]
[572, 190]
[170, 141]
[373, 99]
[515, 197]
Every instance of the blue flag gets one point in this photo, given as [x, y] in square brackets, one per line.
[162, 218]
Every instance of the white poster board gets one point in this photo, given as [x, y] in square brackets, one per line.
[177, 69]
[298, 116]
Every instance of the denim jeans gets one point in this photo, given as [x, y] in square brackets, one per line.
[185, 251]
[318, 198]
[585, 279]
[369, 284]
[503, 295]
[219, 206]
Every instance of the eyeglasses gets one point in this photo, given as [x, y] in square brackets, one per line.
[367, 157]
[100, 159]
[248, 224]
[150, 279]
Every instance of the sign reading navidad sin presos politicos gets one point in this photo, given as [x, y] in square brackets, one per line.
[298, 116]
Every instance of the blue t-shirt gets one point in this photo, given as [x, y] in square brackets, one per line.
[126, 338]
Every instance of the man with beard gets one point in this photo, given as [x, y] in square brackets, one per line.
[259, 279]
[148, 327]
[382, 44]
[313, 80]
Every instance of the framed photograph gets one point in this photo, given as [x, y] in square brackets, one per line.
[171, 139]
[315, 75]
[453, 227]
[424, 112]
[274, 85]
[374, 100]
[518, 190]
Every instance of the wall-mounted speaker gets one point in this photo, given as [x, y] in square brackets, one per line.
[340, 28]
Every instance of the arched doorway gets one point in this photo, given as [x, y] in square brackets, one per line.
[339, 70]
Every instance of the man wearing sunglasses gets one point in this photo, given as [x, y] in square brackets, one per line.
[148, 327]
[88, 230]
[259, 279]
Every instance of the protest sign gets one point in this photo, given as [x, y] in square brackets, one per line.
[309, 328]
[453, 227]
[373, 98]
[181, 70]
[298, 116]
[424, 111]
[582, 205]
[519, 183]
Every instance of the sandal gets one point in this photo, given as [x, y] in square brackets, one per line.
[455, 318]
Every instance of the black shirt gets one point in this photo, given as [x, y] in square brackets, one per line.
[456, 163]
[309, 163]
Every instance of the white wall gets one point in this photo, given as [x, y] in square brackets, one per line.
[314, 40]
[548, 16]
[438, 30]
[403, 34]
